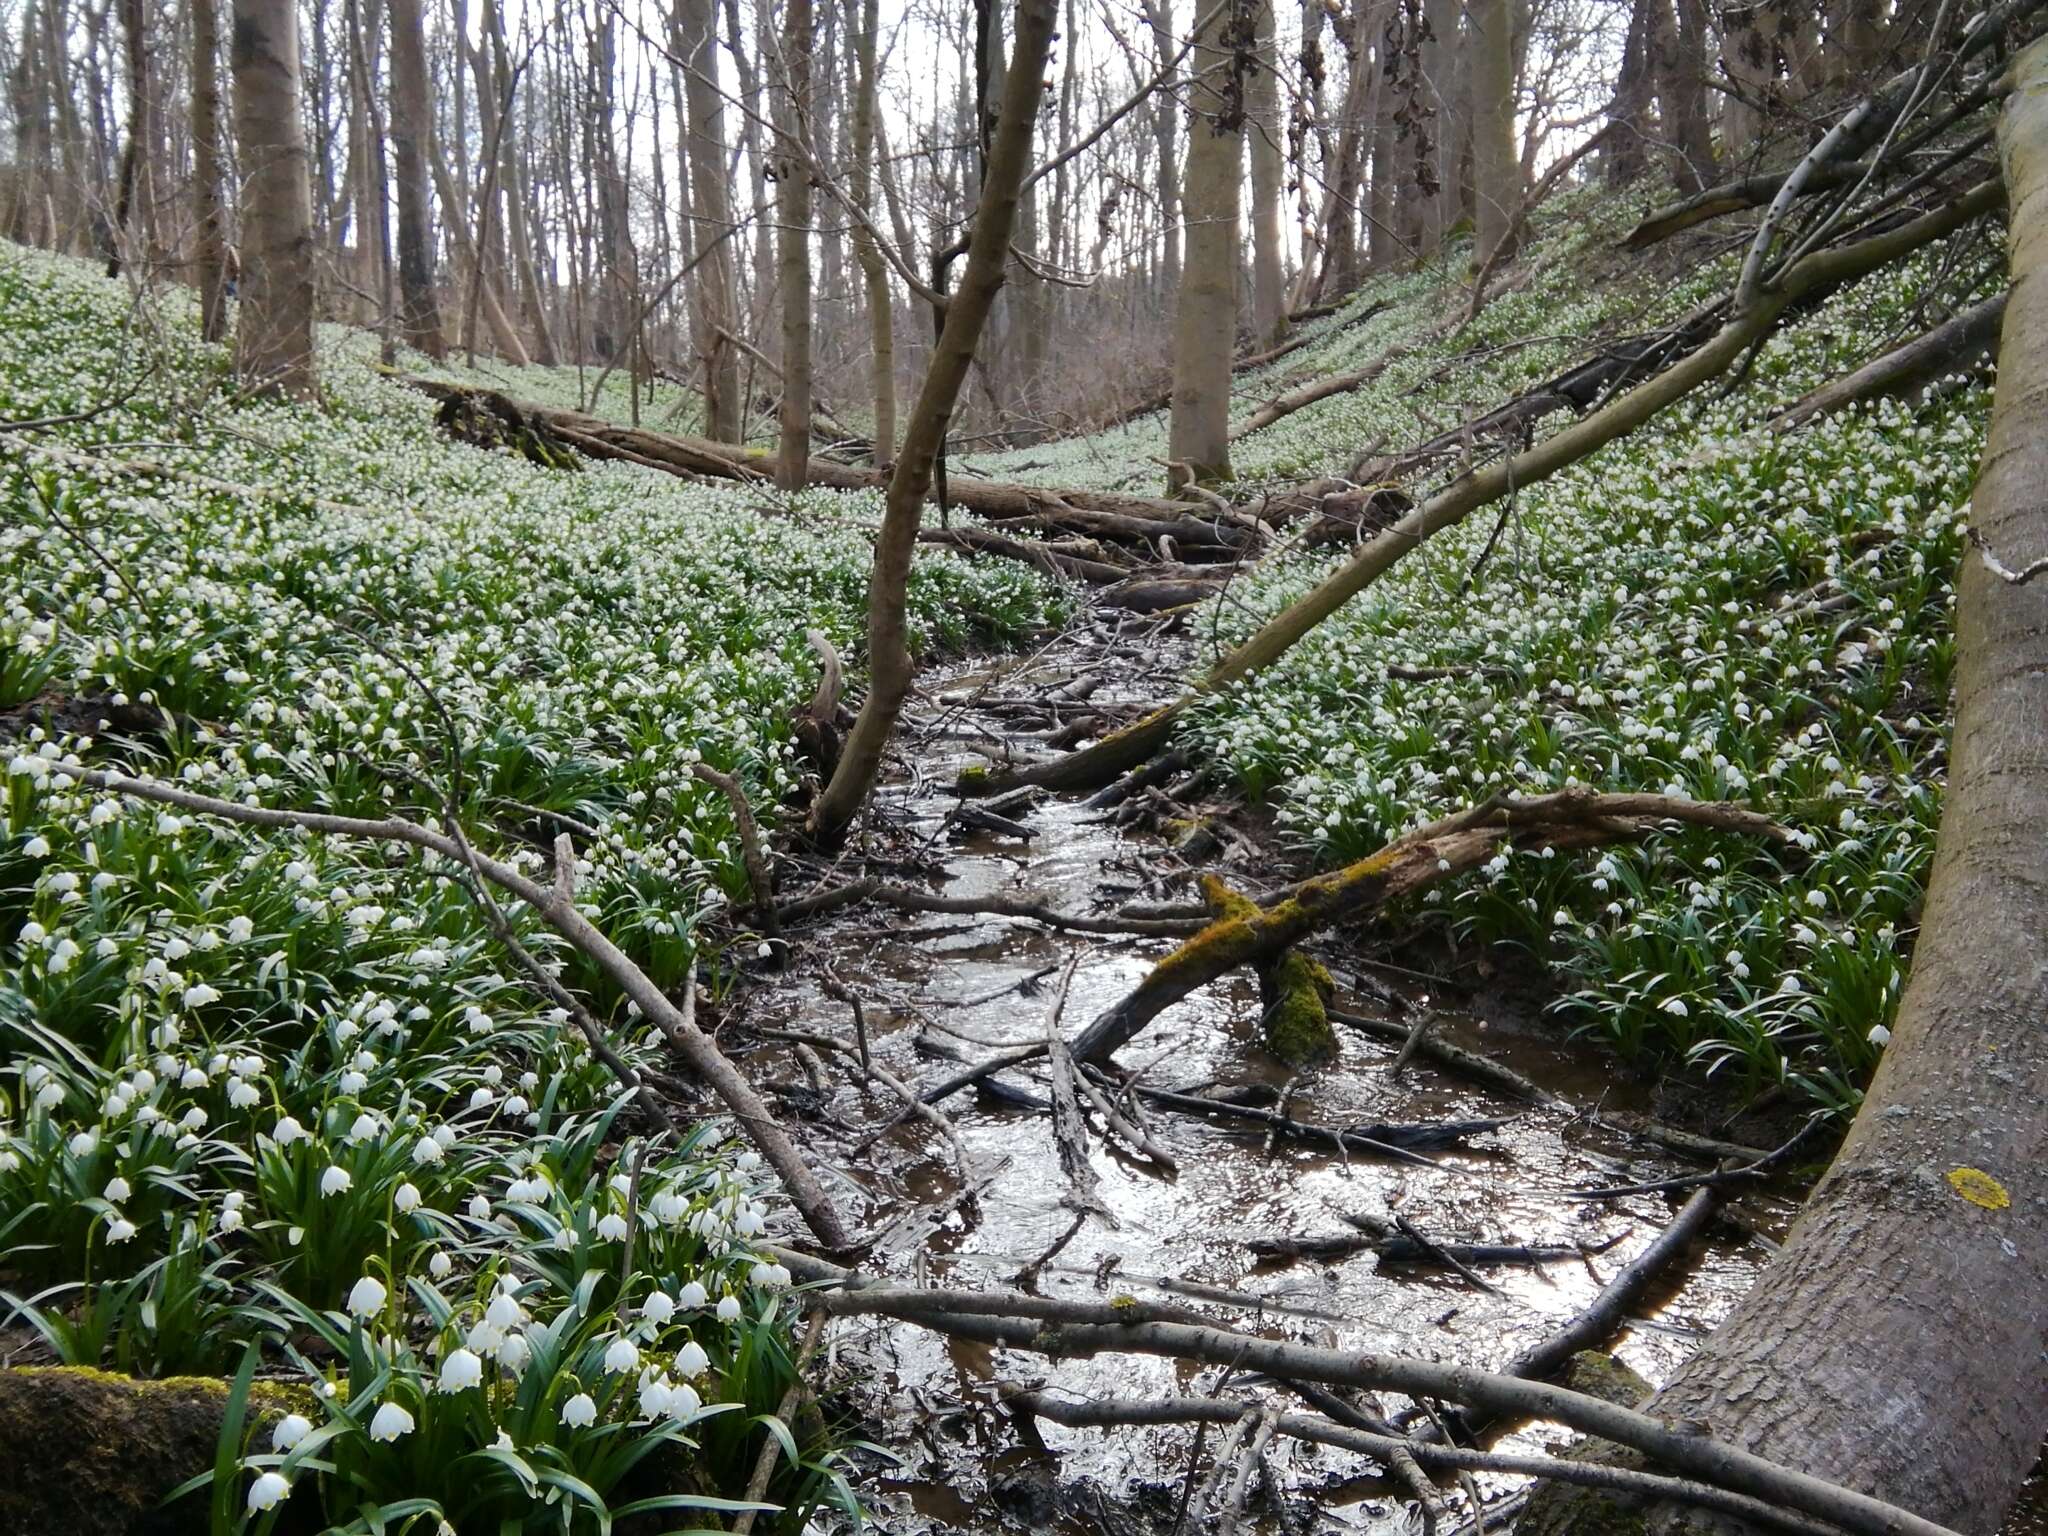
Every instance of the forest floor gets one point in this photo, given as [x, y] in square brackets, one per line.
[305, 607]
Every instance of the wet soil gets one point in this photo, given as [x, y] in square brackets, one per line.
[939, 989]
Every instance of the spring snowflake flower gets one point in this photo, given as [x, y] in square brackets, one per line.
[366, 1128]
[460, 1371]
[291, 1429]
[612, 1228]
[244, 1095]
[580, 1412]
[267, 1492]
[427, 1151]
[623, 1356]
[1675, 1006]
[230, 1220]
[654, 1398]
[513, 1352]
[37, 848]
[683, 1401]
[691, 1359]
[1879, 1036]
[240, 929]
[366, 1298]
[479, 1208]
[335, 1181]
[200, 994]
[120, 1229]
[406, 1199]
[658, 1308]
[729, 1309]
[117, 1190]
[440, 1265]
[389, 1422]
[693, 1294]
[84, 1144]
[287, 1131]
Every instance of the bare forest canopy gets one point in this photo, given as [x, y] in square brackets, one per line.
[713, 713]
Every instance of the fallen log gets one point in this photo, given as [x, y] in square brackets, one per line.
[1283, 405]
[1394, 1247]
[1566, 820]
[1955, 344]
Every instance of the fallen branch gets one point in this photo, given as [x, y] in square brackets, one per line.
[1283, 405]
[760, 876]
[696, 1047]
[1019, 908]
[1567, 819]
[1954, 344]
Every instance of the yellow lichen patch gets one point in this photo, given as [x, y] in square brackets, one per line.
[1979, 1188]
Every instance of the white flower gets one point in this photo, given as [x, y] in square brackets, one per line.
[691, 1359]
[120, 1229]
[200, 994]
[291, 1429]
[504, 1311]
[479, 1208]
[335, 1180]
[84, 1144]
[267, 1492]
[287, 1131]
[460, 1371]
[117, 1189]
[366, 1298]
[1879, 1036]
[389, 1422]
[365, 1129]
[683, 1401]
[240, 929]
[612, 1228]
[440, 1265]
[230, 1220]
[37, 847]
[654, 1396]
[658, 1307]
[580, 1412]
[729, 1309]
[405, 1199]
[427, 1151]
[243, 1095]
[1675, 1006]
[623, 1356]
[693, 1294]
[513, 1352]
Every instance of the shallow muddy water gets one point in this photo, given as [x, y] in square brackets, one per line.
[926, 982]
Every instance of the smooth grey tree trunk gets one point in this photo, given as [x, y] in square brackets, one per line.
[274, 340]
[419, 311]
[1268, 132]
[704, 150]
[1496, 183]
[793, 210]
[209, 219]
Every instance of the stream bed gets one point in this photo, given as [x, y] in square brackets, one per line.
[940, 989]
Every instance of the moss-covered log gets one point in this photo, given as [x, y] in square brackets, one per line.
[1295, 992]
[1258, 936]
[88, 1453]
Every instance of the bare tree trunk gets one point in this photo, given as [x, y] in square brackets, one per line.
[1269, 173]
[1855, 40]
[209, 219]
[503, 332]
[1495, 179]
[274, 342]
[1341, 210]
[705, 151]
[1623, 159]
[1894, 1343]
[1678, 51]
[793, 209]
[1749, 59]
[988, 258]
[1165, 123]
[874, 274]
[134, 194]
[1205, 317]
[411, 122]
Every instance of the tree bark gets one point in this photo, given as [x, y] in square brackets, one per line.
[209, 219]
[988, 255]
[1894, 1343]
[1495, 167]
[274, 343]
[1165, 120]
[793, 210]
[874, 273]
[419, 312]
[1205, 314]
[705, 152]
[135, 197]
[1678, 51]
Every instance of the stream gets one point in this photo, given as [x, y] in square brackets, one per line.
[940, 990]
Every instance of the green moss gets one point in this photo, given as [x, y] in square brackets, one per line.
[973, 776]
[1297, 992]
[85, 1452]
[1598, 1374]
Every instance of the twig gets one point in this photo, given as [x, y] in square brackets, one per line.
[771, 1448]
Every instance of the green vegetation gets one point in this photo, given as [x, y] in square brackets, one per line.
[278, 1088]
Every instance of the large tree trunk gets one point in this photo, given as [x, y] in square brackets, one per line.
[1496, 179]
[988, 257]
[419, 313]
[1165, 120]
[1205, 315]
[1269, 172]
[1678, 50]
[874, 273]
[704, 150]
[135, 197]
[793, 209]
[1895, 1343]
[209, 219]
[1622, 159]
[1749, 58]
[274, 343]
